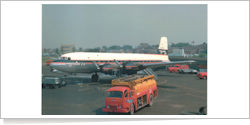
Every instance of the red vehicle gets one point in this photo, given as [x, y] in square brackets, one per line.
[176, 67]
[131, 93]
[202, 74]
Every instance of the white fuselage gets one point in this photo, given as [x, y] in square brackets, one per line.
[86, 62]
[95, 56]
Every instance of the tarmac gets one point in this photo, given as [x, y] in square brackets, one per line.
[178, 94]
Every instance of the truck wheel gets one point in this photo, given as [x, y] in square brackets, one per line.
[132, 109]
[203, 110]
[150, 100]
[204, 77]
[94, 78]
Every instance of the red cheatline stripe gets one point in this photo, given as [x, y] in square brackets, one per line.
[58, 62]
[117, 60]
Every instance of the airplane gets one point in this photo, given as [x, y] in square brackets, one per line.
[113, 63]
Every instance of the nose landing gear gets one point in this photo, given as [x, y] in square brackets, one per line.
[94, 77]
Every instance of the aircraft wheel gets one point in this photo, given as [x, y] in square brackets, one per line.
[203, 110]
[94, 78]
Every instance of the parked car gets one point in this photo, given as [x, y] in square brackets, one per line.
[53, 82]
[202, 74]
[190, 71]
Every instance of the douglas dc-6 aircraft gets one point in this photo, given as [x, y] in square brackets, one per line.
[113, 63]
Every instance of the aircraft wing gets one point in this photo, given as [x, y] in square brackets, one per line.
[153, 65]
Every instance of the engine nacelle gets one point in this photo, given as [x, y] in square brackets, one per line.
[131, 68]
[126, 68]
[110, 68]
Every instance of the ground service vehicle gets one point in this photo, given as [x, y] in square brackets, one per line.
[176, 67]
[202, 74]
[187, 71]
[130, 93]
[52, 82]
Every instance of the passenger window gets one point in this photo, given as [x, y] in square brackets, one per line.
[126, 94]
[130, 94]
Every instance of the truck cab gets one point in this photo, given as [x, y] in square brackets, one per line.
[118, 99]
[202, 74]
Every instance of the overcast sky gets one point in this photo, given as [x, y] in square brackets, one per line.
[89, 26]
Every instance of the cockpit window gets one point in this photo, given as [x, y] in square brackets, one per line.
[126, 93]
[65, 58]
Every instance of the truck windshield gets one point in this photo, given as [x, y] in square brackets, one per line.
[116, 94]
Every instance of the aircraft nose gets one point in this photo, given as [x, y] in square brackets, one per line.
[57, 65]
[53, 65]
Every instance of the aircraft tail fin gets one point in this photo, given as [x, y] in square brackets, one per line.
[163, 46]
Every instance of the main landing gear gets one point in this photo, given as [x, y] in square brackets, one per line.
[94, 77]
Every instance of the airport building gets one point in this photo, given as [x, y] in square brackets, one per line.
[67, 48]
[188, 51]
[177, 52]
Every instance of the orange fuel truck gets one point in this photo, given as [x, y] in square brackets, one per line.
[130, 93]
